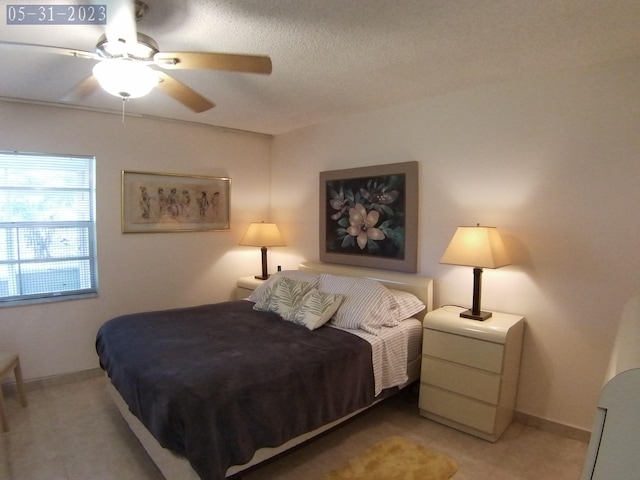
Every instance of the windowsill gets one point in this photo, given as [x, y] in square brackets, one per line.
[38, 301]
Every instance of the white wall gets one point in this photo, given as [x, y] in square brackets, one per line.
[136, 271]
[554, 163]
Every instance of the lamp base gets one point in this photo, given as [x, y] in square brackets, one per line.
[262, 277]
[481, 316]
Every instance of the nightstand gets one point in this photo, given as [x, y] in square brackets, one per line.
[246, 285]
[470, 370]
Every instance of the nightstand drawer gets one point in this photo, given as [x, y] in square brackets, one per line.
[461, 379]
[460, 409]
[464, 350]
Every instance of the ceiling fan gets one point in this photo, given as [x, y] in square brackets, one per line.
[126, 59]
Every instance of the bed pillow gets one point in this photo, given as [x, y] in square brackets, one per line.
[314, 309]
[299, 275]
[408, 304]
[367, 305]
[282, 296]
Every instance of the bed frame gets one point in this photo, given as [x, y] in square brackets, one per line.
[177, 468]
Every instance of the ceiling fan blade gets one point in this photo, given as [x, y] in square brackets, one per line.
[81, 90]
[48, 49]
[213, 61]
[183, 94]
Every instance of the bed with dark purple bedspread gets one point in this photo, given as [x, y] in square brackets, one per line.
[215, 383]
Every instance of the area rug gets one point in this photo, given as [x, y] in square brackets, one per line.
[396, 458]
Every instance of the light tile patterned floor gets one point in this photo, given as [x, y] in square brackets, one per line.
[74, 432]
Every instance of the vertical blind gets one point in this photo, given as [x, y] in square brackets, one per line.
[47, 226]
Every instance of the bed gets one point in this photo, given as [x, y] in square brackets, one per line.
[215, 389]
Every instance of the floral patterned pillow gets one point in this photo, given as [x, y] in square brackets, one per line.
[282, 295]
[314, 309]
[299, 275]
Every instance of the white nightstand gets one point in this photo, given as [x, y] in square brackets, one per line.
[470, 370]
[246, 285]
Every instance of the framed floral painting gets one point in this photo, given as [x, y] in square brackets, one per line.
[163, 202]
[369, 216]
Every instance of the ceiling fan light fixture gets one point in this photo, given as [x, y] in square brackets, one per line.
[125, 77]
[144, 48]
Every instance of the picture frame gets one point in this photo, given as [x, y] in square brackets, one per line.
[369, 216]
[172, 202]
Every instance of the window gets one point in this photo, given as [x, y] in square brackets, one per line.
[47, 227]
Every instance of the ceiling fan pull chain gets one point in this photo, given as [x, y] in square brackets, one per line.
[124, 99]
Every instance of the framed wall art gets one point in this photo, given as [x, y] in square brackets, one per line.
[162, 202]
[369, 216]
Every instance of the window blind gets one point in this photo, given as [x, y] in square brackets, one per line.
[47, 226]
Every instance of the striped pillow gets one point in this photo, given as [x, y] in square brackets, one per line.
[408, 304]
[367, 305]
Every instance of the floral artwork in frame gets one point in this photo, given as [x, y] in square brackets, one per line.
[162, 202]
[369, 216]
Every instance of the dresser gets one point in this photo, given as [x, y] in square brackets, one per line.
[613, 448]
[470, 371]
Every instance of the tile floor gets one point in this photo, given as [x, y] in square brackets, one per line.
[72, 431]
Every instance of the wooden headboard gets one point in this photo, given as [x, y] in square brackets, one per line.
[421, 287]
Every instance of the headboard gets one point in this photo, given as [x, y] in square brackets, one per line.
[421, 287]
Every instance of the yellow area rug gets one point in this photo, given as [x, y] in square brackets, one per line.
[396, 458]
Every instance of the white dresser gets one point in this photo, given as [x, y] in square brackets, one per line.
[470, 371]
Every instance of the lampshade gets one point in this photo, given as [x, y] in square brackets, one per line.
[125, 77]
[476, 247]
[262, 235]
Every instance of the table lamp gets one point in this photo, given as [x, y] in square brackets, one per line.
[477, 247]
[263, 235]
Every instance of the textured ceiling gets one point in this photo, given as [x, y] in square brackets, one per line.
[332, 57]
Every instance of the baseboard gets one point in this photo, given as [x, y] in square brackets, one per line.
[519, 417]
[552, 427]
[62, 379]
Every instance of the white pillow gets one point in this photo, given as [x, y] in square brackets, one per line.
[367, 305]
[408, 304]
[299, 275]
[282, 296]
[314, 309]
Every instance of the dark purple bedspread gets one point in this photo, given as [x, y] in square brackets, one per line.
[215, 383]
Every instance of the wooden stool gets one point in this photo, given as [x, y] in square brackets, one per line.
[10, 361]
